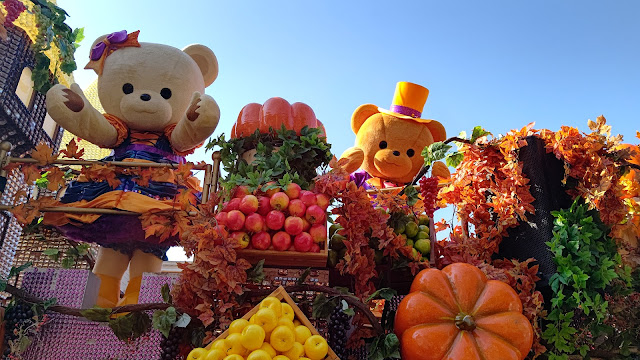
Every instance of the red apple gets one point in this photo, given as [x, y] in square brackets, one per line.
[263, 205]
[254, 223]
[308, 198]
[318, 232]
[315, 215]
[270, 192]
[306, 225]
[241, 191]
[233, 204]
[323, 201]
[221, 217]
[281, 241]
[315, 248]
[235, 220]
[261, 240]
[293, 225]
[302, 242]
[241, 237]
[297, 207]
[279, 201]
[249, 204]
[275, 220]
[292, 190]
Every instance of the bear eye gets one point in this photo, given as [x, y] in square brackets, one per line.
[383, 144]
[127, 88]
[410, 153]
[165, 93]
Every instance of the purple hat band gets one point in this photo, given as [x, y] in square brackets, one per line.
[114, 38]
[404, 110]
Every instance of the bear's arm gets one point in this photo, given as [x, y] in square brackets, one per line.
[355, 155]
[73, 112]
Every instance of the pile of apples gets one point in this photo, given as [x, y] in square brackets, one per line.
[272, 333]
[279, 219]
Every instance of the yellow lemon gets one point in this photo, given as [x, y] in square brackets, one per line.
[221, 344]
[316, 347]
[252, 337]
[197, 354]
[302, 333]
[296, 322]
[215, 354]
[286, 322]
[234, 357]
[282, 338]
[272, 303]
[259, 355]
[252, 319]
[237, 325]
[269, 349]
[304, 358]
[236, 345]
[266, 318]
[287, 311]
[295, 352]
[280, 357]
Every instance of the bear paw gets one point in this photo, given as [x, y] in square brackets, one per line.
[203, 112]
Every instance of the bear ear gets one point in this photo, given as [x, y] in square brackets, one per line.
[99, 39]
[362, 113]
[206, 60]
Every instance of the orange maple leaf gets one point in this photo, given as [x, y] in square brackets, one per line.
[638, 134]
[184, 170]
[186, 198]
[31, 173]
[44, 154]
[72, 150]
[55, 178]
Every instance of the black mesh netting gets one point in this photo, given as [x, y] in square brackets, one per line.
[545, 173]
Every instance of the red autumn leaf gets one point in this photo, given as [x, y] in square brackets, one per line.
[44, 154]
[72, 151]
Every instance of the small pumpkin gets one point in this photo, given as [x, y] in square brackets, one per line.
[274, 113]
[457, 314]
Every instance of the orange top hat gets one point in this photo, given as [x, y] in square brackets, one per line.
[408, 103]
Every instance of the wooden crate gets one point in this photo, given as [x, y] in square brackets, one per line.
[286, 258]
[281, 295]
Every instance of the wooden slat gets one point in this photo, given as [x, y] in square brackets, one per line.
[285, 258]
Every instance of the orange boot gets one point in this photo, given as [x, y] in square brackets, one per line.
[109, 293]
[132, 293]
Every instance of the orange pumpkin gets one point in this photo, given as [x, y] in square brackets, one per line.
[274, 113]
[457, 314]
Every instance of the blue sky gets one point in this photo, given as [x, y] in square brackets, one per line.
[498, 64]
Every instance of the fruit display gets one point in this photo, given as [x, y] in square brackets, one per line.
[456, 313]
[274, 330]
[414, 229]
[339, 325]
[280, 219]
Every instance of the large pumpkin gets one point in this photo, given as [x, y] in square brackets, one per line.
[457, 314]
[274, 113]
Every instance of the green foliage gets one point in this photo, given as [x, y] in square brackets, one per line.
[383, 293]
[384, 347]
[412, 195]
[166, 294]
[164, 319]
[130, 326]
[256, 273]
[280, 154]
[588, 263]
[303, 277]
[434, 152]
[52, 30]
[323, 306]
[71, 256]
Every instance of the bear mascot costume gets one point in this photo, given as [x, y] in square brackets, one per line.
[389, 143]
[157, 112]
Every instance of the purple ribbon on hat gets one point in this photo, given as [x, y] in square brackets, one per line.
[404, 110]
[98, 49]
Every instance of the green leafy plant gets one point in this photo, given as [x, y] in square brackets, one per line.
[588, 263]
[385, 346]
[280, 155]
[70, 256]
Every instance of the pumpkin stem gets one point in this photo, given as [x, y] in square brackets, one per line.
[465, 322]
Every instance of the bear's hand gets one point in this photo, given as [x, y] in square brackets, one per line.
[440, 170]
[198, 123]
[71, 110]
[355, 155]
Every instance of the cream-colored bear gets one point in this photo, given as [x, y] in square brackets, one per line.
[156, 111]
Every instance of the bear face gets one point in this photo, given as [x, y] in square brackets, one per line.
[392, 147]
[151, 86]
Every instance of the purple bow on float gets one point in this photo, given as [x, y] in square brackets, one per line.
[111, 43]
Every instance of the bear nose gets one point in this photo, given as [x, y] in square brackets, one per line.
[145, 97]
[396, 153]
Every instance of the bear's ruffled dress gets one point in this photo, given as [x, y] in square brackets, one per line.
[124, 232]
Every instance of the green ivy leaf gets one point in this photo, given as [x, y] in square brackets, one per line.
[323, 306]
[412, 195]
[434, 152]
[164, 319]
[454, 159]
[15, 270]
[131, 326]
[303, 277]
[477, 133]
[383, 293]
[183, 321]
[97, 314]
[256, 273]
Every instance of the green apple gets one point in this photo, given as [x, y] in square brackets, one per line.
[424, 220]
[411, 229]
[424, 228]
[423, 245]
[400, 227]
[423, 235]
[409, 243]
